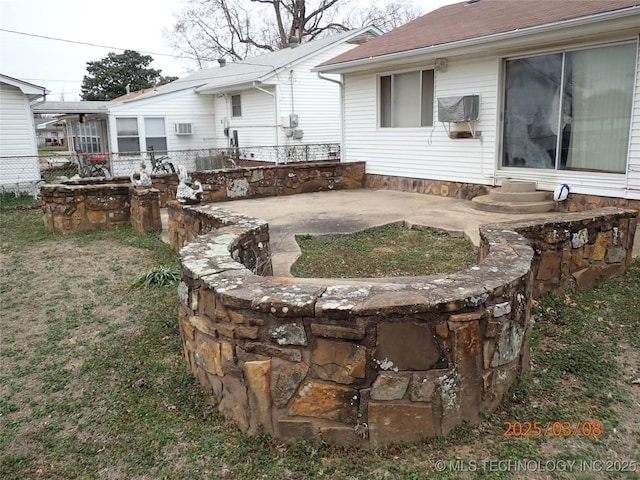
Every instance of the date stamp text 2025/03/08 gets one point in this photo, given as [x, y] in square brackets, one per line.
[552, 429]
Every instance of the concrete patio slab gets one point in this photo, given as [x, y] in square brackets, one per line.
[348, 211]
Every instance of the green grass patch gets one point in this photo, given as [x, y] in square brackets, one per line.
[157, 277]
[388, 251]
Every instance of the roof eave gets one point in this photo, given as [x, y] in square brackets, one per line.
[31, 90]
[277, 70]
[361, 64]
[229, 87]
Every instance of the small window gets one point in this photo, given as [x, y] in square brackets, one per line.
[155, 134]
[406, 99]
[128, 137]
[236, 106]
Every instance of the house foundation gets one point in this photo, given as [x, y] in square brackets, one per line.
[576, 202]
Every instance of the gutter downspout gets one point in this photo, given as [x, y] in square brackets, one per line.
[341, 83]
[275, 110]
[293, 110]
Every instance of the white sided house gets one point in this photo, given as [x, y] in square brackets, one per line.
[273, 99]
[487, 90]
[19, 168]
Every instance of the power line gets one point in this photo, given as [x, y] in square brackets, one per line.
[45, 37]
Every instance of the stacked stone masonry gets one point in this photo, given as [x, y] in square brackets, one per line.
[91, 204]
[372, 364]
[267, 180]
[468, 191]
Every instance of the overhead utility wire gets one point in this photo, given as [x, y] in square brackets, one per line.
[90, 44]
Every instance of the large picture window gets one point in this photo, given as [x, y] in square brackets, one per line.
[128, 138]
[570, 110]
[406, 99]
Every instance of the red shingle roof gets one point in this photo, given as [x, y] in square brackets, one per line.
[475, 19]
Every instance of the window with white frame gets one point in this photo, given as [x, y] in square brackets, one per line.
[406, 99]
[570, 110]
[155, 135]
[128, 137]
[236, 106]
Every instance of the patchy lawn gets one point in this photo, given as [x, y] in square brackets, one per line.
[93, 383]
[388, 251]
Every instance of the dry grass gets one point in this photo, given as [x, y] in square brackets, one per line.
[93, 384]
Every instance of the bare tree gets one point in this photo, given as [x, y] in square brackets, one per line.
[206, 30]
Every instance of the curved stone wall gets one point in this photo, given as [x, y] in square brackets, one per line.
[372, 363]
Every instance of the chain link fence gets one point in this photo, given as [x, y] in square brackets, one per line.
[222, 158]
[25, 174]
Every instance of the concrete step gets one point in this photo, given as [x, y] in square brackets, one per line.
[518, 186]
[487, 204]
[500, 195]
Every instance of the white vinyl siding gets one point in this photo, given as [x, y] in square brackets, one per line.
[429, 152]
[19, 168]
[17, 134]
[425, 152]
[257, 126]
[633, 169]
[178, 107]
[316, 101]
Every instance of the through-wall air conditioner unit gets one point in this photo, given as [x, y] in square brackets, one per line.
[183, 129]
[459, 109]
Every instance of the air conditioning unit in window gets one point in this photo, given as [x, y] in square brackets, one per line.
[459, 110]
[183, 129]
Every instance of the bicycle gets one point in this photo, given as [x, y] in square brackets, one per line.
[95, 165]
[159, 165]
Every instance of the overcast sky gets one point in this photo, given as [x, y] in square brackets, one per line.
[120, 24]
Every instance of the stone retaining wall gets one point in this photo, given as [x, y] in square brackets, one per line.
[467, 191]
[369, 363]
[93, 204]
[268, 181]
[77, 207]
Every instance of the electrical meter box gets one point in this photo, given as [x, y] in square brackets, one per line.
[289, 121]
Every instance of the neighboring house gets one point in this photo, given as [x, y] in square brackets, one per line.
[254, 102]
[49, 132]
[485, 90]
[19, 168]
[86, 124]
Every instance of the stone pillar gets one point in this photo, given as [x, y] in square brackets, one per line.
[145, 209]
